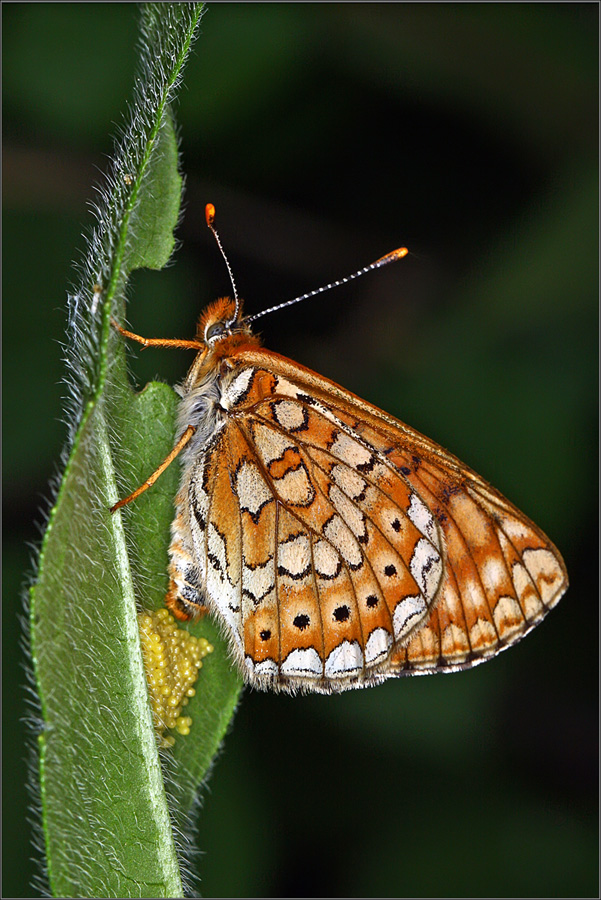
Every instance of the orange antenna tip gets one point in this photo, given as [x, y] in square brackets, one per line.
[396, 254]
[209, 216]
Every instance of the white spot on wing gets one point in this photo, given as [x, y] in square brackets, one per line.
[348, 480]
[252, 491]
[350, 451]
[289, 415]
[217, 549]
[508, 617]
[327, 561]
[302, 662]
[343, 540]
[197, 492]
[267, 667]
[407, 613]
[271, 444]
[350, 513]
[259, 580]
[378, 645]
[429, 647]
[225, 598]
[283, 386]
[546, 572]
[526, 592]
[295, 488]
[224, 594]
[515, 530]
[483, 637]
[423, 519]
[493, 573]
[344, 659]
[455, 645]
[236, 388]
[426, 568]
[294, 555]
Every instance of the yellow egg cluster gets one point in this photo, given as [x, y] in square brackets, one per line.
[172, 658]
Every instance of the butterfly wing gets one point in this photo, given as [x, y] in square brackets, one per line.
[343, 547]
[503, 575]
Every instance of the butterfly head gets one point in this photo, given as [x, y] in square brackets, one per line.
[219, 321]
[221, 332]
[222, 328]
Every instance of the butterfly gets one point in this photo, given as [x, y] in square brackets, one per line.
[336, 546]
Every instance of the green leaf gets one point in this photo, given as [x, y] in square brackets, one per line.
[154, 215]
[107, 825]
[102, 792]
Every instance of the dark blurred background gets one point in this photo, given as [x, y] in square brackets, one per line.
[327, 135]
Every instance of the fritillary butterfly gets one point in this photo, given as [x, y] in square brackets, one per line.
[336, 545]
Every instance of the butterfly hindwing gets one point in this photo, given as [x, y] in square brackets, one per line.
[319, 556]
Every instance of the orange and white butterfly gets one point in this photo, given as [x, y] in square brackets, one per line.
[336, 546]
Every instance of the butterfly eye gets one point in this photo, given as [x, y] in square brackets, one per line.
[216, 330]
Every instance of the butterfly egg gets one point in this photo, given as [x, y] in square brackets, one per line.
[172, 659]
[183, 724]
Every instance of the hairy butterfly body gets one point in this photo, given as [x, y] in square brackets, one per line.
[336, 546]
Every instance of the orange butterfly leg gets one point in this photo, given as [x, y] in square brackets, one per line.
[157, 472]
[166, 343]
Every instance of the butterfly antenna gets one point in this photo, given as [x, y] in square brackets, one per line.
[210, 216]
[390, 257]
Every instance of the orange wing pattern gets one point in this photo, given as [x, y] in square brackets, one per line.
[338, 547]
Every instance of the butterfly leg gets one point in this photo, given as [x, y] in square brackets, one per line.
[184, 598]
[158, 342]
[157, 472]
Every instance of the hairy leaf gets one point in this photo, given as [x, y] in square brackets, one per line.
[107, 825]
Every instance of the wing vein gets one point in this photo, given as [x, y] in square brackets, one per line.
[231, 468]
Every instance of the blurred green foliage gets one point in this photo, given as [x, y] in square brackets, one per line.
[326, 135]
